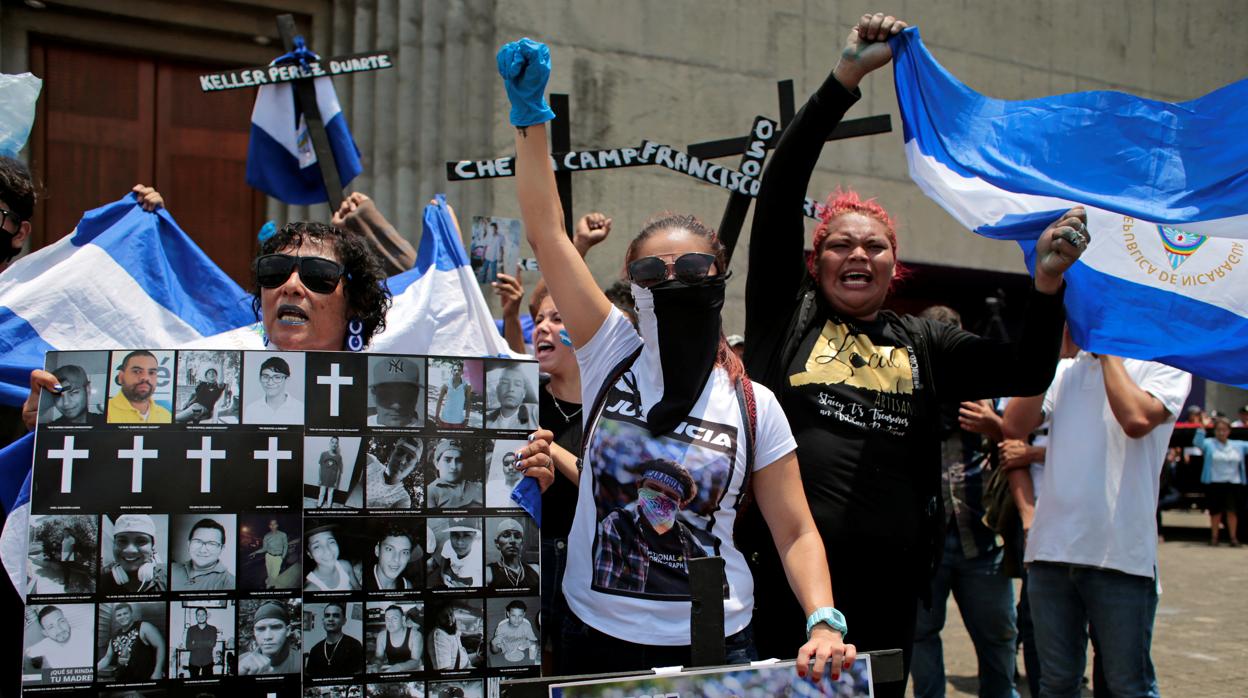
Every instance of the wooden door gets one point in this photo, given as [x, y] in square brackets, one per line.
[201, 165]
[108, 120]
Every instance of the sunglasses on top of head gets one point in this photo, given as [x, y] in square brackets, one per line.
[689, 268]
[318, 274]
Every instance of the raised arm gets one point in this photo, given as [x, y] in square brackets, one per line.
[778, 233]
[525, 68]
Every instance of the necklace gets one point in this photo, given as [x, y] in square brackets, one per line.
[513, 577]
[566, 417]
[329, 656]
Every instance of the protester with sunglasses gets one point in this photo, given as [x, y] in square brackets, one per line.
[860, 384]
[316, 288]
[677, 372]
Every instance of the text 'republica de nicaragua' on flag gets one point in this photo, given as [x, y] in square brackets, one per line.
[1165, 186]
[281, 161]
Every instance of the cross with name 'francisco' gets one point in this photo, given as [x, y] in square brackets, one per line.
[335, 381]
[205, 454]
[136, 454]
[67, 454]
[273, 455]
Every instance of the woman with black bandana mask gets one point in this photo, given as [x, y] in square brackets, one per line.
[676, 435]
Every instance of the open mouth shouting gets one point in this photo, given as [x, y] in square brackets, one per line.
[288, 314]
[856, 278]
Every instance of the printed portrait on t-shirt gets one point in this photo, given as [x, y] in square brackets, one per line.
[657, 499]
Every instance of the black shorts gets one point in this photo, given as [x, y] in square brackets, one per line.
[1223, 497]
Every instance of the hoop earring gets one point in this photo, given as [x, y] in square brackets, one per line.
[355, 335]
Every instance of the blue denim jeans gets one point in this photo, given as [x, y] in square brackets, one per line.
[985, 598]
[1065, 599]
[554, 605]
[587, 651]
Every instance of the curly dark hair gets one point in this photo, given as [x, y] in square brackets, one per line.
[368, 296]
[17, 187]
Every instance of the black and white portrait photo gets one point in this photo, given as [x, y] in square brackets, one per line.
[397, 560]
[455, 474]
[202, 552]
[333, 635]
[394, 472]
[84, 377]
[335, 550]
[269, 637]
[58, 644]
[512, 553]
[511, 395]
[201, 636]
[512, 632]
[396, 391]
[207, 387]
[133, 554]
[465, 688]
[455, 392]
[456, 555]
[63, 554]
[273, 387]
[130, 642]
[502, 476]
[270, 556]
[395, 642]
[454, 634]
[330, 479]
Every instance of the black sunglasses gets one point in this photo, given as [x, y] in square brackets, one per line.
[689, 268]
[318, 274]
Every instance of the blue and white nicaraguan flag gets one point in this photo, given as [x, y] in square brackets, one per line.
[124, 278]
[280, 159]
[1165, 185]
[129, 278]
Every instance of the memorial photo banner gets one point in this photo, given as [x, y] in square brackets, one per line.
[280, 524]
[777, 679]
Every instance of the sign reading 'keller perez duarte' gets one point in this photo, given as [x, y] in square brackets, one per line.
[273, 74]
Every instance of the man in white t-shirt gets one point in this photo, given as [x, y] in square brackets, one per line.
[1092, 547]
[60, 648]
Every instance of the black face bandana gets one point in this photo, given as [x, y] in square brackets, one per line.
[683, 322]
[7, 250]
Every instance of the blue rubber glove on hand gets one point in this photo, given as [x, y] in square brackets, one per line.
[525, 67]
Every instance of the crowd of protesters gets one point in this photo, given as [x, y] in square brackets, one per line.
[853, 466]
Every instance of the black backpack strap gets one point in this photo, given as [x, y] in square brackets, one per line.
[601, 399]
[749, 419]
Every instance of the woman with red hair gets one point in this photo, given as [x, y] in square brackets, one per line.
[860, 384]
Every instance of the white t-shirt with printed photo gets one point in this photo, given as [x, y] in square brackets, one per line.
[622, 578]
[1101, 486]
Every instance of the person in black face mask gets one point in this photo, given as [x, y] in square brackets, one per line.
[664, 401]
[17, 205]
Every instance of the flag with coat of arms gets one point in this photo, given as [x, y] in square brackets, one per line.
[1165, 185]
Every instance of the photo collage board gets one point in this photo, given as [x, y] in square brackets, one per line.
[281, 524]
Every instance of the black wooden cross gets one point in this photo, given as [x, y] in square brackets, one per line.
[305, 93]
[739, 204]
[741, 182]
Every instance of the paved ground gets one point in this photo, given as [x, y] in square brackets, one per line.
[1200, 643]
